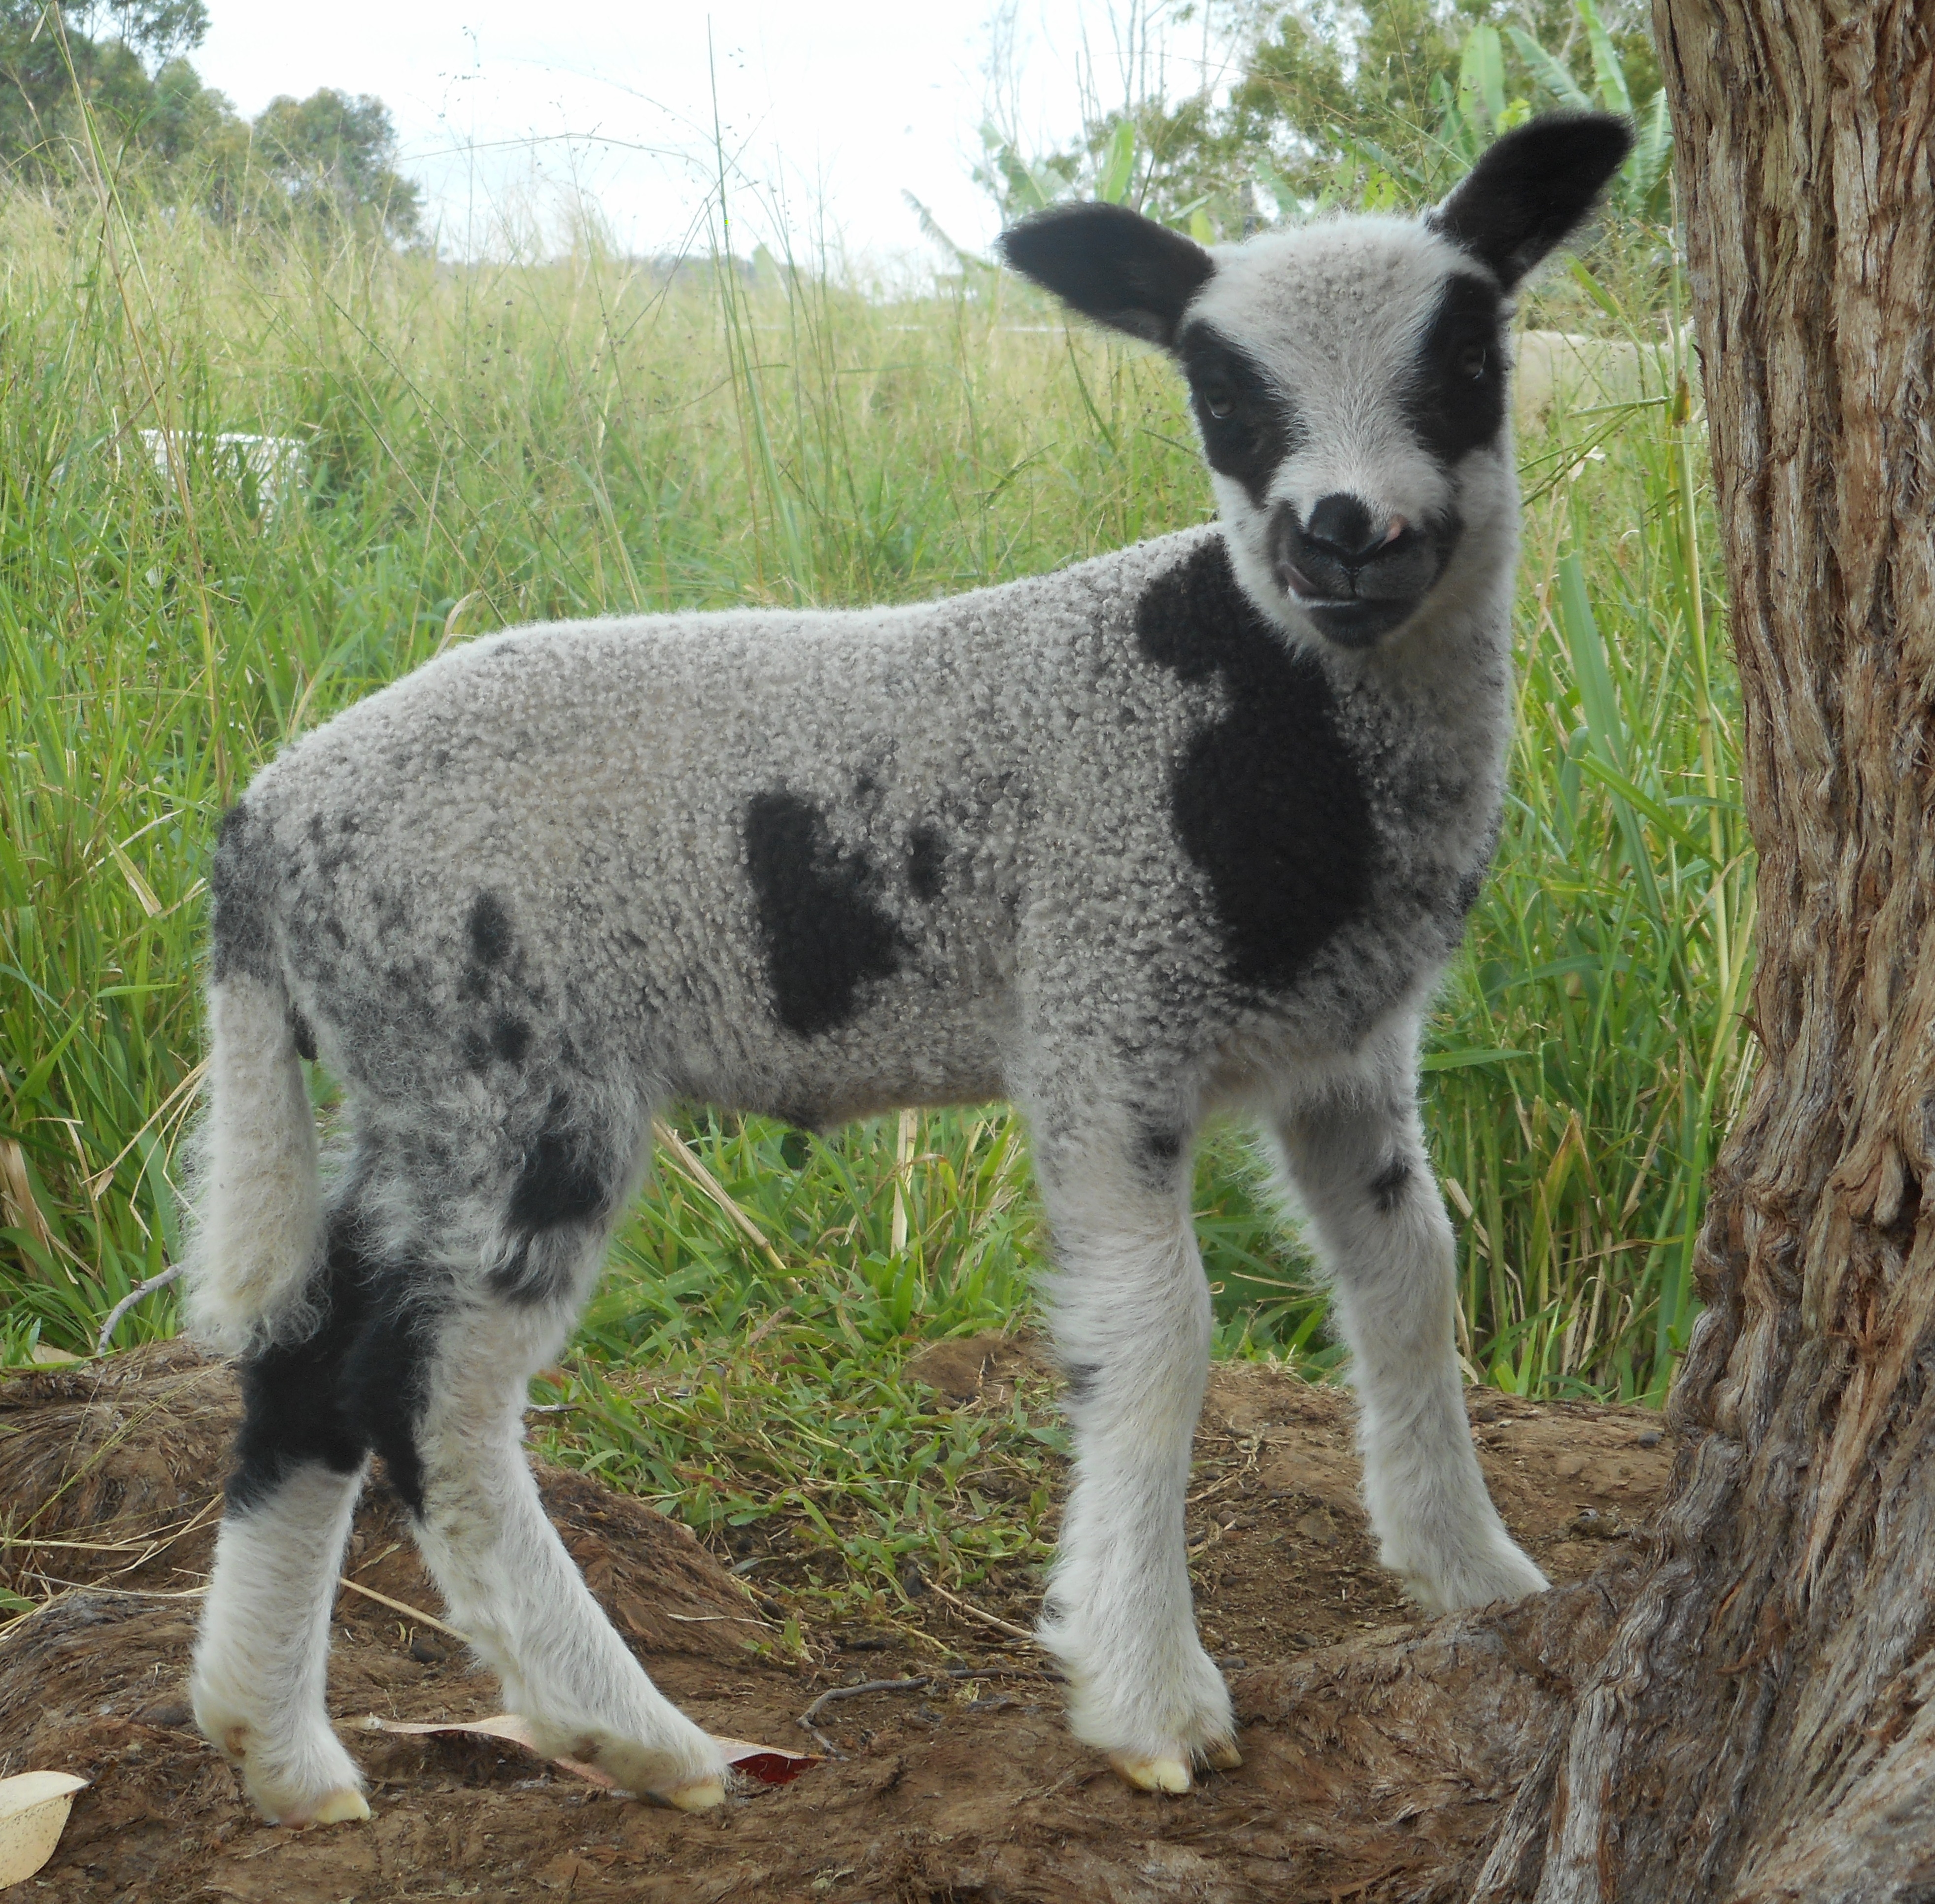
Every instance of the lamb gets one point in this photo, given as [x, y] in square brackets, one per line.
[1189, 829]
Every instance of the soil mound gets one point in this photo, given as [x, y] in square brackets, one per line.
[1373, 1770]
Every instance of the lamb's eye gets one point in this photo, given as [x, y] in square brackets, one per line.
[1221, 405]
[1472, 361]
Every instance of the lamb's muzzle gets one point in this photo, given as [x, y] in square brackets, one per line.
[1356, 573]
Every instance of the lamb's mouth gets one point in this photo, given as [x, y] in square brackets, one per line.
[1356, 621]
[1354, 596]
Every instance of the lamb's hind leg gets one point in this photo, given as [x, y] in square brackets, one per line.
[1361, 1170]
[261, 1657]
[511, 1587]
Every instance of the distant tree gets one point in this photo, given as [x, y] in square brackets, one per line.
[329, 159]
[326, 162]
[182, 114]
[53, 59]
[333, 156]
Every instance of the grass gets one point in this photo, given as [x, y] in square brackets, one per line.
[505, 442]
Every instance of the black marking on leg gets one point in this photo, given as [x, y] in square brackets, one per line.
[1472, 882]
[565, 1190]
[542, 1270]
[1159, 1148]
[354, 1385]
[559, 1181]
[1389, 1185]
[384, 1383]
[1267, 800]
[1082, 1377]
[291, 1415]
[488, 927]
[823, 936]
[927, 862]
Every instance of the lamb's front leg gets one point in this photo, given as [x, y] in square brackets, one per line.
[1362, 1173]
[1131, 1322]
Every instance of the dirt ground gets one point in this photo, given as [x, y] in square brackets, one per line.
[1377, 1750]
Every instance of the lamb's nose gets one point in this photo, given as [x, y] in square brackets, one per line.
[1341, 526]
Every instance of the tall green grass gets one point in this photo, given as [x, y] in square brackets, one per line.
[501, 442]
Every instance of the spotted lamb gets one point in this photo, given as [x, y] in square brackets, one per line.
[1190, 828]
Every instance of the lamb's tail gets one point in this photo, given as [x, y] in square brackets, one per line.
[256, 1241]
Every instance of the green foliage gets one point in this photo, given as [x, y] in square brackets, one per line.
[52, 59]
[1343, 107]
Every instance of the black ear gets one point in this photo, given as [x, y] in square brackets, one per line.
[1111, 264]
[1532, 189]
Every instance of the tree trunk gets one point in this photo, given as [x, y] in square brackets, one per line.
[1761, 1726]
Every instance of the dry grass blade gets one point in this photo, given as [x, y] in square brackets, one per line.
[986, 1619]
[709, 1185]
[404, 1607]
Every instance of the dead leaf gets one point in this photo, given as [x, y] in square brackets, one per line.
[769, 1765]
[34, 1807]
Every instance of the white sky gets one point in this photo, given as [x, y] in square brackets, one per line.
[830, 110]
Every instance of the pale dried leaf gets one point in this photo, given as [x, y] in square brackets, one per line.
[34, 1807]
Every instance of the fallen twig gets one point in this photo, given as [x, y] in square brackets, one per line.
[128, 1301]
[986, 1619]
[1001, 1672]
[820, 1739]
[832, 1693]
[918, 1682]
[805, 1720]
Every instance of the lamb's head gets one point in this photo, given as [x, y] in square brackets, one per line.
[1348, 376]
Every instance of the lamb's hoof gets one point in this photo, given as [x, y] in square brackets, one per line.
[700, 1795]
[1169, 1774]
[1223, 1757]
[343, 1807]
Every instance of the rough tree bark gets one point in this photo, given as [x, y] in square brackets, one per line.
[1762, 1725]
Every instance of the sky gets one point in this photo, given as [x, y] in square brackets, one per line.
[827, 112]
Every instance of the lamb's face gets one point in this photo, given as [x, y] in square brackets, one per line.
[1348, 381]
[1348, 378]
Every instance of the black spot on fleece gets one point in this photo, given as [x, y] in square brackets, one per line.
[822, 935]
[1267, 799]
